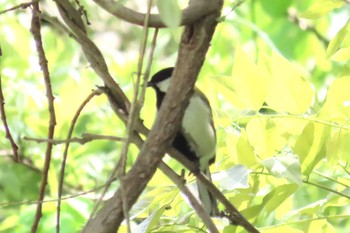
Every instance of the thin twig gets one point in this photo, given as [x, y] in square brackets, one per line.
[85, 138]
[32, 202]
[330, 178]
[20, 6]
[327, 189]
[15, 157]
[57, 24]
[148, 68]
[65, 154]
[303, 220]
[35, 30]
[306, 26]
[344, 167]
[298, 117]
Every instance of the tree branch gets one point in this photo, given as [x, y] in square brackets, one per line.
[191, 14]
[36, 32]
[15, 157]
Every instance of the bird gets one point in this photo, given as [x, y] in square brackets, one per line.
[196, 138]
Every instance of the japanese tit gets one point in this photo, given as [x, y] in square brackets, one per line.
[196, 138]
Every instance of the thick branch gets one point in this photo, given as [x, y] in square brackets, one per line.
[195, 11]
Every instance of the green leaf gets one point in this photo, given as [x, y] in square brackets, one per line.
[336, 42]
[280, 7]
[285, 166]
[162, 195]
[320, 8]
[245, 152]
[18, 182]
[285, 86]
[233, 178]
[229, 229]
[277, 196]
[151, 221]
[239, 148]
[310, 146]
[308, 210]
[170, 12]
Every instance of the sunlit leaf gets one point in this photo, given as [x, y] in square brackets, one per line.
[265, 137]
[288, 90]
[170, 12]
[224, 85]
[338, 146]
[336, 42]
[321, 225]
[320, 8]
[162, 195]
[248, 81]
[342, 55]
[337, 105]
[307, 211]
[9, 223]
[245, 152]
[285, 166]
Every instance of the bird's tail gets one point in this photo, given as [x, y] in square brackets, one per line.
[207, 199]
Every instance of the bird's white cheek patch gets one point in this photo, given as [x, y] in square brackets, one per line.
[164, 85]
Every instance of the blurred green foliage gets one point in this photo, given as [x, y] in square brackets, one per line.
[285, 168]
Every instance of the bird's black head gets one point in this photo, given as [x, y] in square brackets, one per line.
[158, 85]
[160, 76]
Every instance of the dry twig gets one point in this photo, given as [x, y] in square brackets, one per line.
[35, 29]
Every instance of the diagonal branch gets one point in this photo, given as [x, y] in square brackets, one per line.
[191, 14]
[15, 157]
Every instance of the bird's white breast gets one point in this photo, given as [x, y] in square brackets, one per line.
[198, 130]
